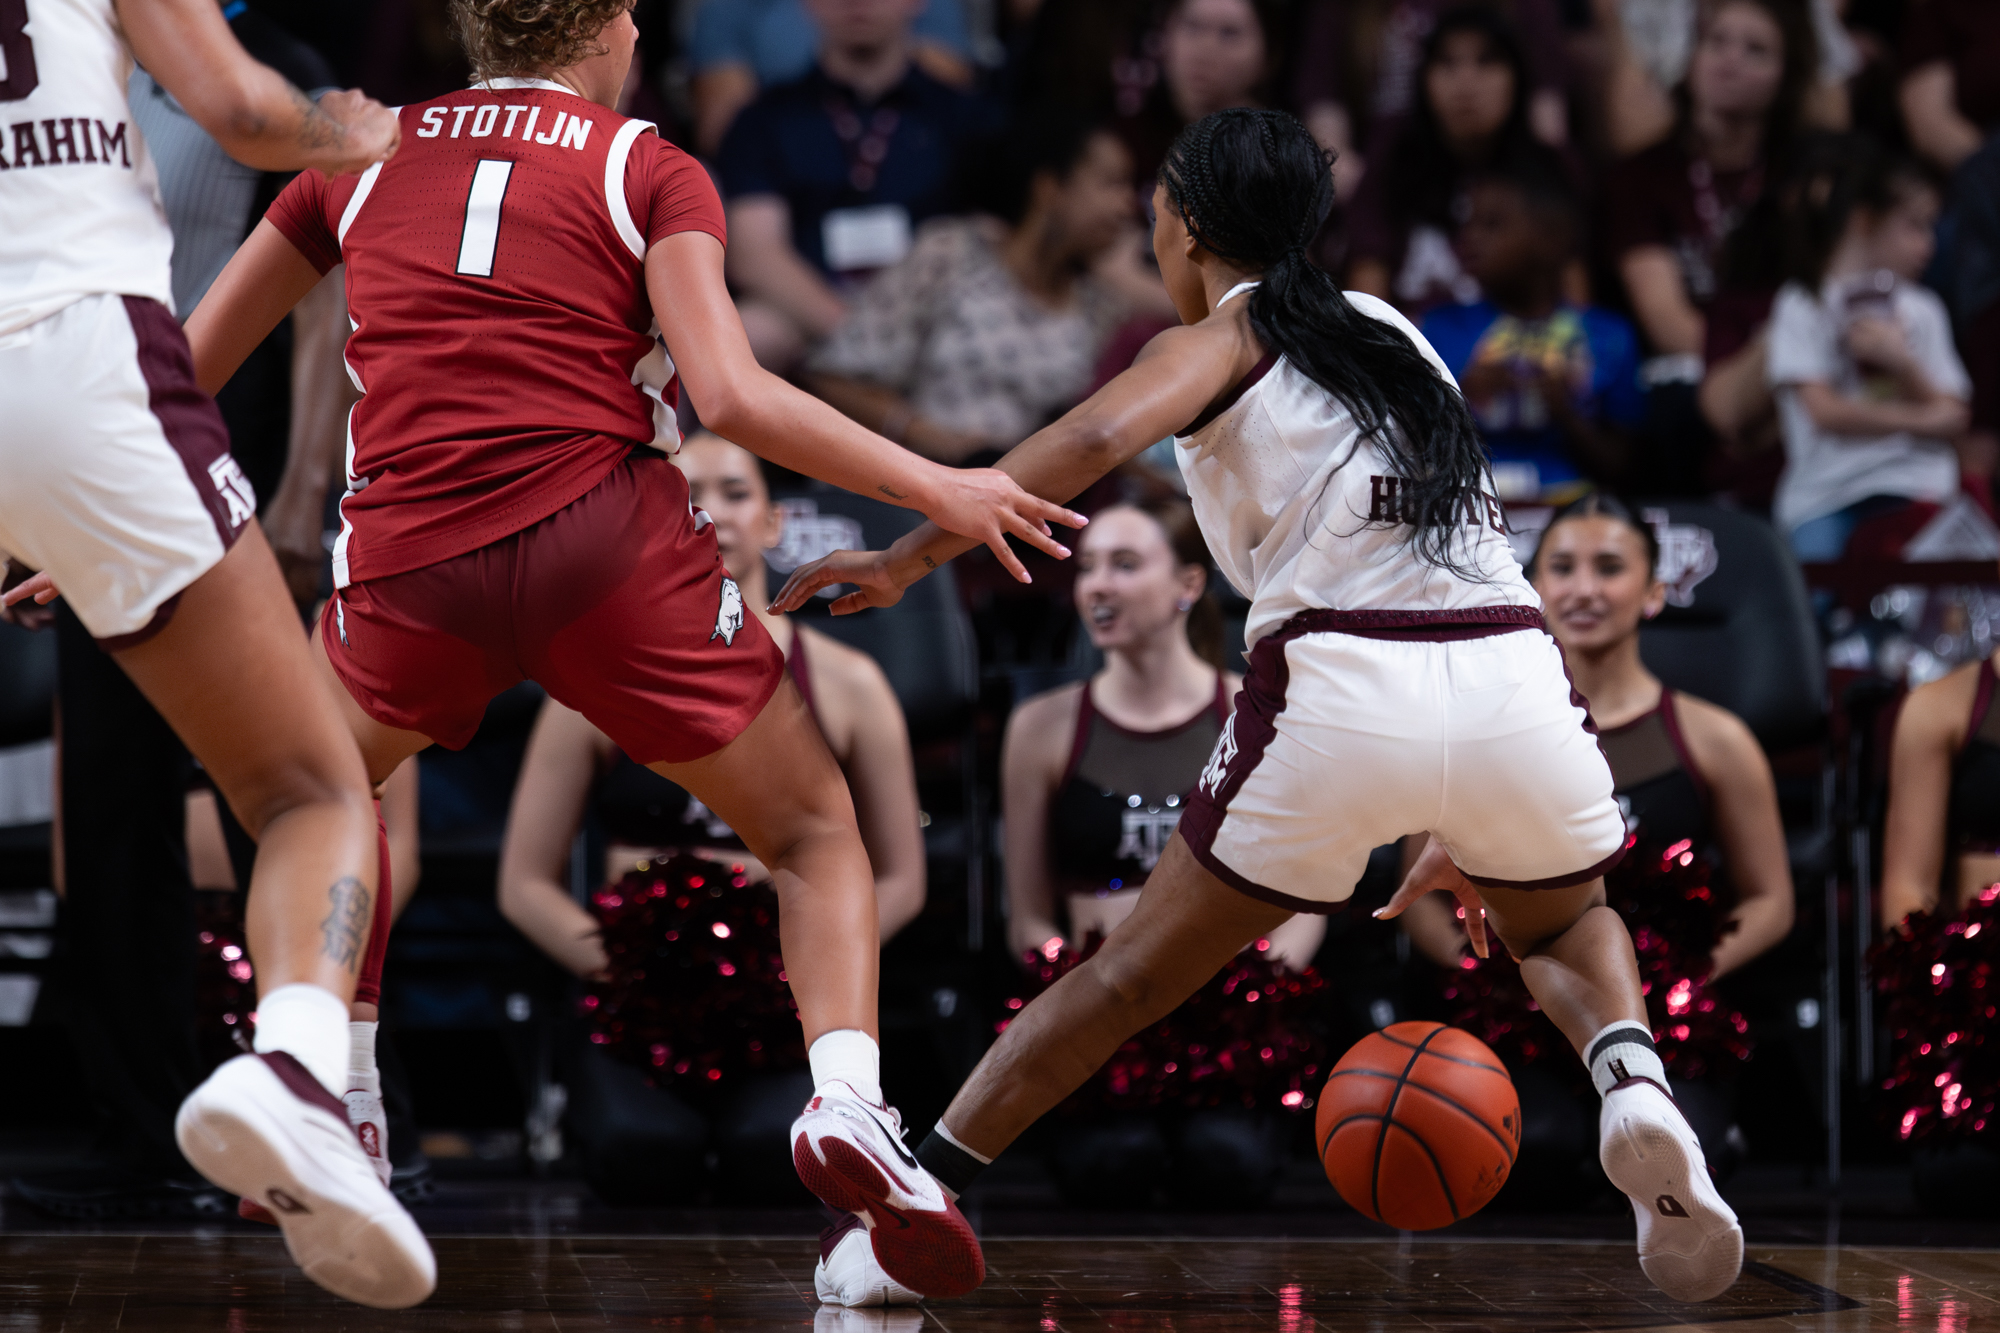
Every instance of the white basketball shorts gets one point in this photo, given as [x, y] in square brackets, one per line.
[115, 472]
[1342, 742]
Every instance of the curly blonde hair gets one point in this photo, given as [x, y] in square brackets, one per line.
[514, 38]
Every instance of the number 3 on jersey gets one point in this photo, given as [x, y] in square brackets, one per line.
[17, 56]
[481, 233]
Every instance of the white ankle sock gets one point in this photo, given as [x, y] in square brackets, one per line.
[1620, 1051]
[361, 1072]
[309, 1023]
[851, 1056]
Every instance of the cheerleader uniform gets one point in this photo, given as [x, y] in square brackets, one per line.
[646, 1137]
[1121, 797]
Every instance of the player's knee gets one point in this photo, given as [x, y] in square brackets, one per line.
[301, 783]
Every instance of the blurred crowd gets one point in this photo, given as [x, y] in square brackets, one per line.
[1738, 251]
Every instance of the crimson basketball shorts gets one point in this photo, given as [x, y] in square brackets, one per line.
[616, 604]
[1340, 743]
[115, 472]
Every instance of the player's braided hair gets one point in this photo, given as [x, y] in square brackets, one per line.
[1253, 188]
[516, 38]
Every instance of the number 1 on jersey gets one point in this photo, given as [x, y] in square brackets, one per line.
[482, 217]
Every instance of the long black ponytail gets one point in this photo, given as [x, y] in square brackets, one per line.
[1253, 188]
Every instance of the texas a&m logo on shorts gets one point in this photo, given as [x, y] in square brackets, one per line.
[1220, 759]
[235, 490]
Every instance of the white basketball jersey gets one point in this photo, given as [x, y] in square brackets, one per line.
[1302, 513]
[80, 205]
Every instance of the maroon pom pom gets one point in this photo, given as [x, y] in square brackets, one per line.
[1244, 1039]
[1676, 917]
[696, 991]
[1936, 973]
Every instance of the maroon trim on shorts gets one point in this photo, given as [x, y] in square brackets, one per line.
[118, 643]
[1473, 622]
[1230, 399]
[187, 416]
[1554, 881]
[1250, 731]
[298, 1080]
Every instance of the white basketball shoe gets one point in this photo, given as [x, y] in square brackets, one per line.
[850, 1152]
[1689, 1243]
[263, 1128]
[847, 1273]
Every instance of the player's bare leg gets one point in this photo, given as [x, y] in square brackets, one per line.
[778, 786]
[1186, 927]
[231, 674]
[1577, 960]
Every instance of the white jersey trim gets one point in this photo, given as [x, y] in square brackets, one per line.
[614, 185]
[508, 84]
[361, 192]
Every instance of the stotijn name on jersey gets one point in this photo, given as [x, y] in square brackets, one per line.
[1388, 502]
[61, 141]
[493, 120]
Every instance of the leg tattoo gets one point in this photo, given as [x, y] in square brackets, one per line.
[345, 928]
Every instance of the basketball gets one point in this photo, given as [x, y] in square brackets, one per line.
[1418, 1125]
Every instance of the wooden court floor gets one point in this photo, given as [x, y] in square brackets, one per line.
[238, 1283]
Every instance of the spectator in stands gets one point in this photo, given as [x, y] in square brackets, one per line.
[1950, 95]
[1650, 43]
[643, 1143]
[1705, 883]
[1554, 386]
[1471, 115]
[826, 177]
[989, 328]
[1870, 388]
[1355, 77]
[742, 46]
[1213, 54]
[1093, 779]
[1674, 208]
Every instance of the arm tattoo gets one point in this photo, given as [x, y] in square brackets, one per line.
[892, 492]
[316, 128]
[345, 930]
[928, 562]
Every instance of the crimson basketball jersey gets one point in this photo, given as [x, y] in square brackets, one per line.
[503, 340]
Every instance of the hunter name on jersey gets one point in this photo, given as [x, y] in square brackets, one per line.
[71, 140]
[566, 130]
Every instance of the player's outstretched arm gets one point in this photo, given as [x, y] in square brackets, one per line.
[259, 118]
[1178, 375]
[741, 401]
[259, 285]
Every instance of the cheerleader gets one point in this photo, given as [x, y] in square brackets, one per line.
[1706, 877]
[1941, 917]
[1094, 778]
[1400, 681]
[640, 1143]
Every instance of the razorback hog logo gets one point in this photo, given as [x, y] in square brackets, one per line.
[729, 617]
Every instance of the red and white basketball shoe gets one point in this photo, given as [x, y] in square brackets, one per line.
[848, 1273]
[263, 1128]
[851, 1153]
[1689, 1243]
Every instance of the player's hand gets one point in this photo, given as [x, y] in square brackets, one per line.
[371, 130]
[23, 594]
[870, 571]
[987, 505]
[1434, 873]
